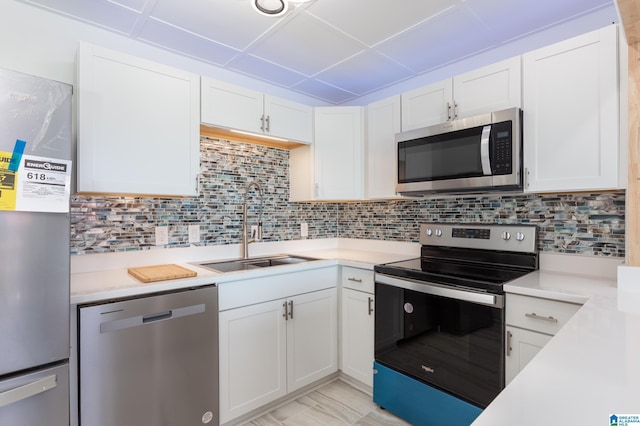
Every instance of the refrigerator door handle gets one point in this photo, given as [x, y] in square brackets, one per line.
[26, 391]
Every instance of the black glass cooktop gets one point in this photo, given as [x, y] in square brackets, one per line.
[476, 269]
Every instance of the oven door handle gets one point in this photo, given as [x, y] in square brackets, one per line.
[488, 299]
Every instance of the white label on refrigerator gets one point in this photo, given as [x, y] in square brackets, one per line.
[43, 184]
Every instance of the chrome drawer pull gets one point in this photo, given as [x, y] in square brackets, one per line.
[357, 280]
[370, 301]
[509, 348]
[534, 316]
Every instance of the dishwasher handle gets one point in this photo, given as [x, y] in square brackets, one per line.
[157, 317]
[140, 320]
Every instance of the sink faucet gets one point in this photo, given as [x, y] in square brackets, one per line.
[246, 239]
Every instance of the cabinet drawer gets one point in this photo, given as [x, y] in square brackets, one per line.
[357, 279]
[542, 315]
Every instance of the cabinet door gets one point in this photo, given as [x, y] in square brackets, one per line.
[252, 357]
[524, 345]
[287, 119]
[312, 337]
[383, 122]
[491, 88]
[357, 335]
[138, 125]
[432, 104]
[230, 106]
[571, 139]
[338, 153]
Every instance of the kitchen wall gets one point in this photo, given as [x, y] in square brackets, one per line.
[585, 223]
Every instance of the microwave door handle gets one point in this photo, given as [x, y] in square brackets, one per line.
[484, 151]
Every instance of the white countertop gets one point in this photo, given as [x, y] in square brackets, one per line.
[96, 278]
[589, 370]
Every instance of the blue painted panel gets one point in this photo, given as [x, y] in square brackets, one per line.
[417, 403]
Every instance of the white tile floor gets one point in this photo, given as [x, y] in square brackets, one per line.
[334, 404]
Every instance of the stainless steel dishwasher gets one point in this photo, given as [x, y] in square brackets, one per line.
[150, 361]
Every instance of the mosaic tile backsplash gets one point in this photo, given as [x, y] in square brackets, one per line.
[584, 223]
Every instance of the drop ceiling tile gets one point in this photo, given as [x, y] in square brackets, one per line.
[135, 5]
[364, 73]
[323, 91]
[306, 45]
[450, 36]
[267, 71]
[171, 38]
[498, 15]
[97, 12]
[230, 22]
[374, 21]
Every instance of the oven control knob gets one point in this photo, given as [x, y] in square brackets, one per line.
[519, 236]
[429, 232]
[506, 236]
[438, 232]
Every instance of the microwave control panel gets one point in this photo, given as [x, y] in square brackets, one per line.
[502, 150]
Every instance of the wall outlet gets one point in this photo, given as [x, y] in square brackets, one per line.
[162, 235]
[304, 230]
[194, 234]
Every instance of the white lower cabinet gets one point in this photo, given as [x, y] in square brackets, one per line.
[357, 335]
[272, 348]
[252, 358]
[357, 324]
[530, 323]
[523, 345]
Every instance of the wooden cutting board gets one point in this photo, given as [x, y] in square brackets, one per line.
[148, 274]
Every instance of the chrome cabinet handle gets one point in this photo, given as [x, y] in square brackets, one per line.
[285, 313]
[357, 280]
[447, 111]
[370, 305]
[26, 391]
[291, 309]
[526, 177]
[534, 316]
[262, 122]
[268, 126]
[455, 110]
[509, 336]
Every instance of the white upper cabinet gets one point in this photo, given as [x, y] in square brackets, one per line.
[333, 167]
[338, 153]
[383, 122]
[571, 114]
[427, 105]
[138, 125]
[287, 119]
[231, 106]
[234, 107]
[491, 88]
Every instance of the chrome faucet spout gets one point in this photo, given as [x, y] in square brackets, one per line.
[246, 238]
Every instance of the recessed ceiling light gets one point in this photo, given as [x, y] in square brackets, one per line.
[272, 8]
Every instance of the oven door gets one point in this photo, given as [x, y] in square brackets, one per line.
[446, 337]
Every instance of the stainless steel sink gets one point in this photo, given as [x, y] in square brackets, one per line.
[254, 263]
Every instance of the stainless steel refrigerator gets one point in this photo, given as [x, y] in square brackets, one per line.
[35, 163]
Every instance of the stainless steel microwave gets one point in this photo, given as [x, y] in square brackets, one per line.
[481, 153]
